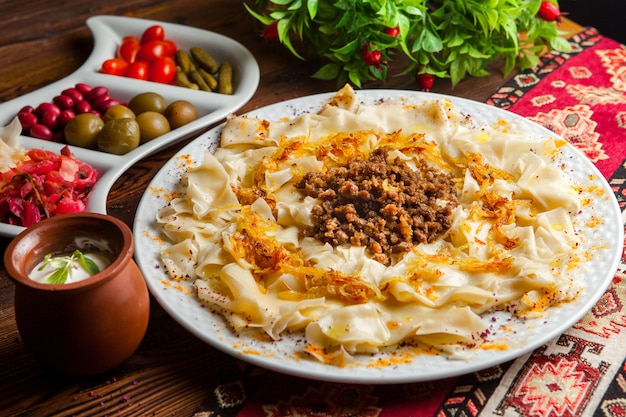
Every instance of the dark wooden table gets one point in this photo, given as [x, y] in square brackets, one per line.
[42, 42]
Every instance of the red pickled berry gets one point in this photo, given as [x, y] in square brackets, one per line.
[27, 109]
[94, 93]
[50, 119]
[104, 106]
[58, 136]
[73, 93]
[40, 131]
[63, 102]
[27, 120]
[83, 88]
[82, 106]
[97, 102]
[65, 116]
[46, 107]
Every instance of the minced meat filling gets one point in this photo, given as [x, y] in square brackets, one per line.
[380, 203]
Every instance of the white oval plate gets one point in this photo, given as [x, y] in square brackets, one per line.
[108, 32]
[402, 365]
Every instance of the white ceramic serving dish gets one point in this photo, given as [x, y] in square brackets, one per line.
[520, 336]
[108, 32]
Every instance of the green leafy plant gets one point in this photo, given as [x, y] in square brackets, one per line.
[63, 264]
[443, 38]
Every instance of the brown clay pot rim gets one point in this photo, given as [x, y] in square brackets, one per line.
[119, 263]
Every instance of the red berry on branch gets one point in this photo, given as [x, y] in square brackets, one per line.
[425, 81]
[550, 12]
[392, 31]
[270, 32]
[371, 56]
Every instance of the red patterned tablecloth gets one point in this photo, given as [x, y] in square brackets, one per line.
[581, 95]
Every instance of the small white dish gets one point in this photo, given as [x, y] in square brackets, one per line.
[108, 32]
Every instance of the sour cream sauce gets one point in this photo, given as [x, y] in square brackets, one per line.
[96, 250]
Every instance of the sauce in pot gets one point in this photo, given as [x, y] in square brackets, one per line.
[85, 258]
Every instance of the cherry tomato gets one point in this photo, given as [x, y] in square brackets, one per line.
[128, 49]
[134, 57]
[153, 33]
[114, 66]
[139, 70]
[169, 48]
[151, 51]
[163, 70]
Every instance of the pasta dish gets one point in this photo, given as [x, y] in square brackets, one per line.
[369, 226]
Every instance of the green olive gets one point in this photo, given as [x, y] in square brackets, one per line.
[151, 125]
[180, 113]
[83, 129]
[119, 136]
[147, 102]
[117, 111]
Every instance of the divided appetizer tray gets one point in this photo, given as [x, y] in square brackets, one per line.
[108, 32]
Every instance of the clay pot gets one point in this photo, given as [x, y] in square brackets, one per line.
[87, 327]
